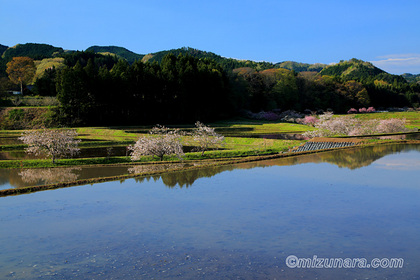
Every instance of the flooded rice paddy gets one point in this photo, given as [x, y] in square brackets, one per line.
[230, 222]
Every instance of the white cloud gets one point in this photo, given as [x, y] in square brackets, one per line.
[399, 63]
[393, 164]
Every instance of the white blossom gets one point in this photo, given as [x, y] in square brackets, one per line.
[328, 126]
[161, 141]
[206, 137]
[52, 142]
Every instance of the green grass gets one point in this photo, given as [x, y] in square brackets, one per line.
[412, 118]
[238, 127]
[240, 145]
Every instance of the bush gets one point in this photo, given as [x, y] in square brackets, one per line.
[329, 126]
[308, 120]
[370, 110]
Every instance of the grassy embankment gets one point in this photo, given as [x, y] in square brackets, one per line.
[240, 140]
[236, 150]
[235, 145]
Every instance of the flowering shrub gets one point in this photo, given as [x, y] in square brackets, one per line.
[361, 110]
[392, 126]
[308, 120]
[329, 126]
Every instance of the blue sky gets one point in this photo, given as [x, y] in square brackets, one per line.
[384, 32]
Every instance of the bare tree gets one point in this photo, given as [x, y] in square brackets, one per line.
[54, 143]
[161, 141]
[206, 137]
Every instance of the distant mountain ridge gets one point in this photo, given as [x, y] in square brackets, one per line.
[301, 67]
[355, 69]
[352, 69]
[411, 78]
[32, 50]
[118, 51]
[2, 49]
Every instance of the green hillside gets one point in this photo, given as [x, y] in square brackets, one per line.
[300, 67]
[2, 49]
[118, 51]
[2, 61]
[158, 56]
[359, 70]
[411, 78]
[35, 51]
[226, 63]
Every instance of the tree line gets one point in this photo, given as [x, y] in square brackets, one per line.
[95, 89]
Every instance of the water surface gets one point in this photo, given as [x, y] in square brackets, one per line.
[236, 222]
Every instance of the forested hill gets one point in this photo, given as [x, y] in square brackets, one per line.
[411, 78]
[2, 49]
[35, 51]
[359, 70]
[97, 87]
[300, 67]
[352, 69]
[118, 51]
[226, 63]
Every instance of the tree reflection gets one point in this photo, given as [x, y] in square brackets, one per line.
[187, 177]
[139, 169]
[357, 158]
[352, 159]
[173, 174]
[49, 175]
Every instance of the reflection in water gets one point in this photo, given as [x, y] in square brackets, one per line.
[84, 153]
[241, 224]
[411, 136]
[49, 175]
[181, 178]
[350, 158]
[188, 177]
[148, 168]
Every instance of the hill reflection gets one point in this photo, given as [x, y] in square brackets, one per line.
[351, 158]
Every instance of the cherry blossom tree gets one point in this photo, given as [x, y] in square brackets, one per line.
[161, 141]
[52, 142]
[308, 120]
[392, 126]
[206, 137]
[347, 125]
